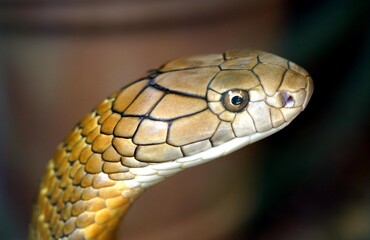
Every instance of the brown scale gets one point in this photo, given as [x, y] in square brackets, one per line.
[177, 111]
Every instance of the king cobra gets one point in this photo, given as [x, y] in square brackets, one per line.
[187, 112]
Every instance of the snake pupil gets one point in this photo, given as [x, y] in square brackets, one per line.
[236, 100]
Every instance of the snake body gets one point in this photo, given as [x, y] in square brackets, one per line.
[188, 111]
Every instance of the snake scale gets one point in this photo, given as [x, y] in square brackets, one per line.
[186, 112]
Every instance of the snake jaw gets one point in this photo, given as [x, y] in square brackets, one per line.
[161, 171]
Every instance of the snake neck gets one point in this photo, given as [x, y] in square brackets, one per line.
[73, 204]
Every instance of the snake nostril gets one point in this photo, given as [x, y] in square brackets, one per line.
[288, 100]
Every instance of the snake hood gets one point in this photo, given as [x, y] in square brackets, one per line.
[187, 112]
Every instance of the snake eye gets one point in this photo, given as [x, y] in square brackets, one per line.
[235, 100]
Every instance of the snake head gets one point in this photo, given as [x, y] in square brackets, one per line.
[194, 109]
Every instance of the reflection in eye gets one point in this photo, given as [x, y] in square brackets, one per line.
[235, 100]
[288, 100]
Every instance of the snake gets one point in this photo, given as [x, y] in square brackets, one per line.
[186, 112]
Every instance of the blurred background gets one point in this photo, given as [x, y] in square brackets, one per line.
[59, 58]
